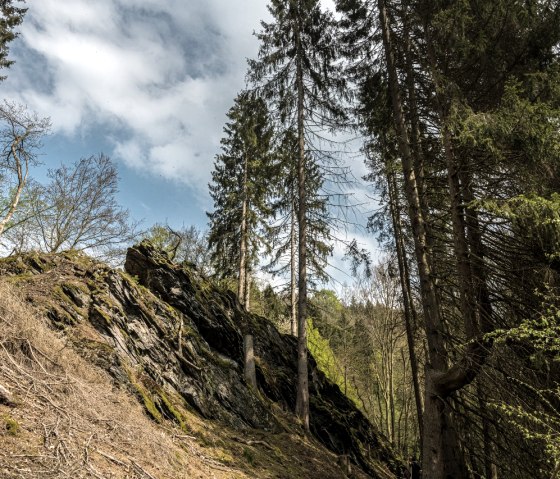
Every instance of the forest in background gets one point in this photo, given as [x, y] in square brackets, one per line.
[450, 344]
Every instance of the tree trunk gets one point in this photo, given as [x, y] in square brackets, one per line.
[242, 276]
[250, 374]
[302, 400]
[439, 442]
[436, 349]
[409, 309]
[248, 282]
[293, 272]
[22, 179]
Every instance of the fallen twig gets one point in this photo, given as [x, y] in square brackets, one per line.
[141, 470]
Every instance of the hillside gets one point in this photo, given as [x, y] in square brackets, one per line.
[139, 374]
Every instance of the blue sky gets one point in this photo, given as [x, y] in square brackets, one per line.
[147, 82]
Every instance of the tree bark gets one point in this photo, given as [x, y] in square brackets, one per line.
[248, 283]
[409, 309]
[302, 400]
[439, 442]
[293, 272]
[242, 276]
[436, 349]
[22, 179]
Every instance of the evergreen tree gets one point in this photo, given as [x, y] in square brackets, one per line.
[284, 230]
[297, 72]
[457, 76]
[11, 17]
[239, 188]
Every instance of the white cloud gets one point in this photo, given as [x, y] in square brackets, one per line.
[159, 75]
[155, 77]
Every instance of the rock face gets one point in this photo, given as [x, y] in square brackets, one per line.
[177, 342]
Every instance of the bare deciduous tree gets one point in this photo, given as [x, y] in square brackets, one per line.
[77, 210]
[20, 139]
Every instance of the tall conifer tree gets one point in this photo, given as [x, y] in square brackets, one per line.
[11, 16]
[296, 71]
[284, 230]
[239, 188]
[450, 69]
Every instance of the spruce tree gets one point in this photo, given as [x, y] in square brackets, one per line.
[11, 17]
[297, 72]
[239, 188]
[454, 72]
[283, 232]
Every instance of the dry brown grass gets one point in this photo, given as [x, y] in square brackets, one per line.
[70, 421]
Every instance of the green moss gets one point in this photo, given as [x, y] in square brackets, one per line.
[77, 286]
[249, 456]
[59, 293]
[12, 426]
[133, 282]
[76, 256]
[103, 314]
[60, 317]
[148, 403]
[144, 395]
[19, 278]
[173, 411]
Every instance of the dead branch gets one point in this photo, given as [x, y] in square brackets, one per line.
[141, 470]
[253, 442]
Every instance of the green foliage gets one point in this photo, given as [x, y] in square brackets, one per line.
[285, 206]
[538, 417]
[535, 217]
[184, 245]
[10, 17]
[327, 361]
[240, 185]
[323, 354]
[523, 130]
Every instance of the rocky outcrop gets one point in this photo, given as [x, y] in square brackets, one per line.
[176, 340]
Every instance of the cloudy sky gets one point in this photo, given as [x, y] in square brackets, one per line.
[147, 82]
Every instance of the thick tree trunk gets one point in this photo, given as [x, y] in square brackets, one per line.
[250, 374]
[436, 349]
[302, 400]
[473, 292]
